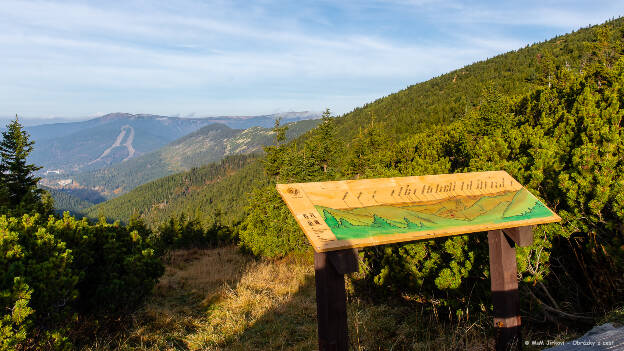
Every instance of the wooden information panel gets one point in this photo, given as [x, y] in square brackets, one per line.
[358, 213]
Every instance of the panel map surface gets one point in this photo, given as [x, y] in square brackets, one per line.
[357, 213]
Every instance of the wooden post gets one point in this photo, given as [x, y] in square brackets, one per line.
[505, 297]
[522, 236]
[331, 301]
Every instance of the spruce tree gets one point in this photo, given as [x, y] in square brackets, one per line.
[4, 193]
[18, 177]
[322, 146]
[275, 153]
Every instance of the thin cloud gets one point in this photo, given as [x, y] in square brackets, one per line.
[221, 57]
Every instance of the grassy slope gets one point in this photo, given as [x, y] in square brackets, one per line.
[221, 300]
[259, 305]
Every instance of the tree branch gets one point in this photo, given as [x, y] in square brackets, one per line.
[559, 312]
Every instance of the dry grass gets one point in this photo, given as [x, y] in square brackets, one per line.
[221, 300]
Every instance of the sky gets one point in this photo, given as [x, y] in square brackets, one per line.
[80, 59]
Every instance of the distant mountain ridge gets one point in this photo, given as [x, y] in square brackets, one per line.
[30, 122]
[110, 139]
[40, 130]
[265, 121]
[209, 144]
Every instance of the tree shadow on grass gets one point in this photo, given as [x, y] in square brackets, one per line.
[288, 326]
[192, 282]
[292, 325]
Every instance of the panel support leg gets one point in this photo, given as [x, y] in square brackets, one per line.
[331, 301]
[505, 297]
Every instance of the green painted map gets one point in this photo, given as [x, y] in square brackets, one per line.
[369, 221]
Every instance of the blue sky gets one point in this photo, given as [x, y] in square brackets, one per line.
[205, 58]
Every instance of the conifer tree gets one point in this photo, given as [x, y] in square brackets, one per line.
[17, 177]
[275, 153]
[325, 141]
[4, 193]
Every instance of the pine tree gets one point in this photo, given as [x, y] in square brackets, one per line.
[4, 192]
[18, 178]
[323, 142]
[275, 153]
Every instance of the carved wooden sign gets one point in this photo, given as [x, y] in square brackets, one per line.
[345, 214]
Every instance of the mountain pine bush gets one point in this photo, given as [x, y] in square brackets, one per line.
[565, 143]
[52, 269]
[562, 140]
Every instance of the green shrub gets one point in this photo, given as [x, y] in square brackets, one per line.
[14, 326]
[184, 233]
[37, 282]
[52, 269]
[565, 144]
[270, 230]
[117, 266]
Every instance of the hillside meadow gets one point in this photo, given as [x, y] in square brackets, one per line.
[253, 304]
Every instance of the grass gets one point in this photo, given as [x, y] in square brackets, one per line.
[220, 299]
[616, 316]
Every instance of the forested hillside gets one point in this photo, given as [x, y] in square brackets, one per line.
[65, 201]
[215, 189]
[449, 96]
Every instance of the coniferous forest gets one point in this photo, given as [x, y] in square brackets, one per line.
[550, 114]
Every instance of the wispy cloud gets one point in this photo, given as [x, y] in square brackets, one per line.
[227, 57]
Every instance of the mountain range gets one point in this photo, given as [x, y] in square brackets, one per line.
[206, 145]
[113, 138]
